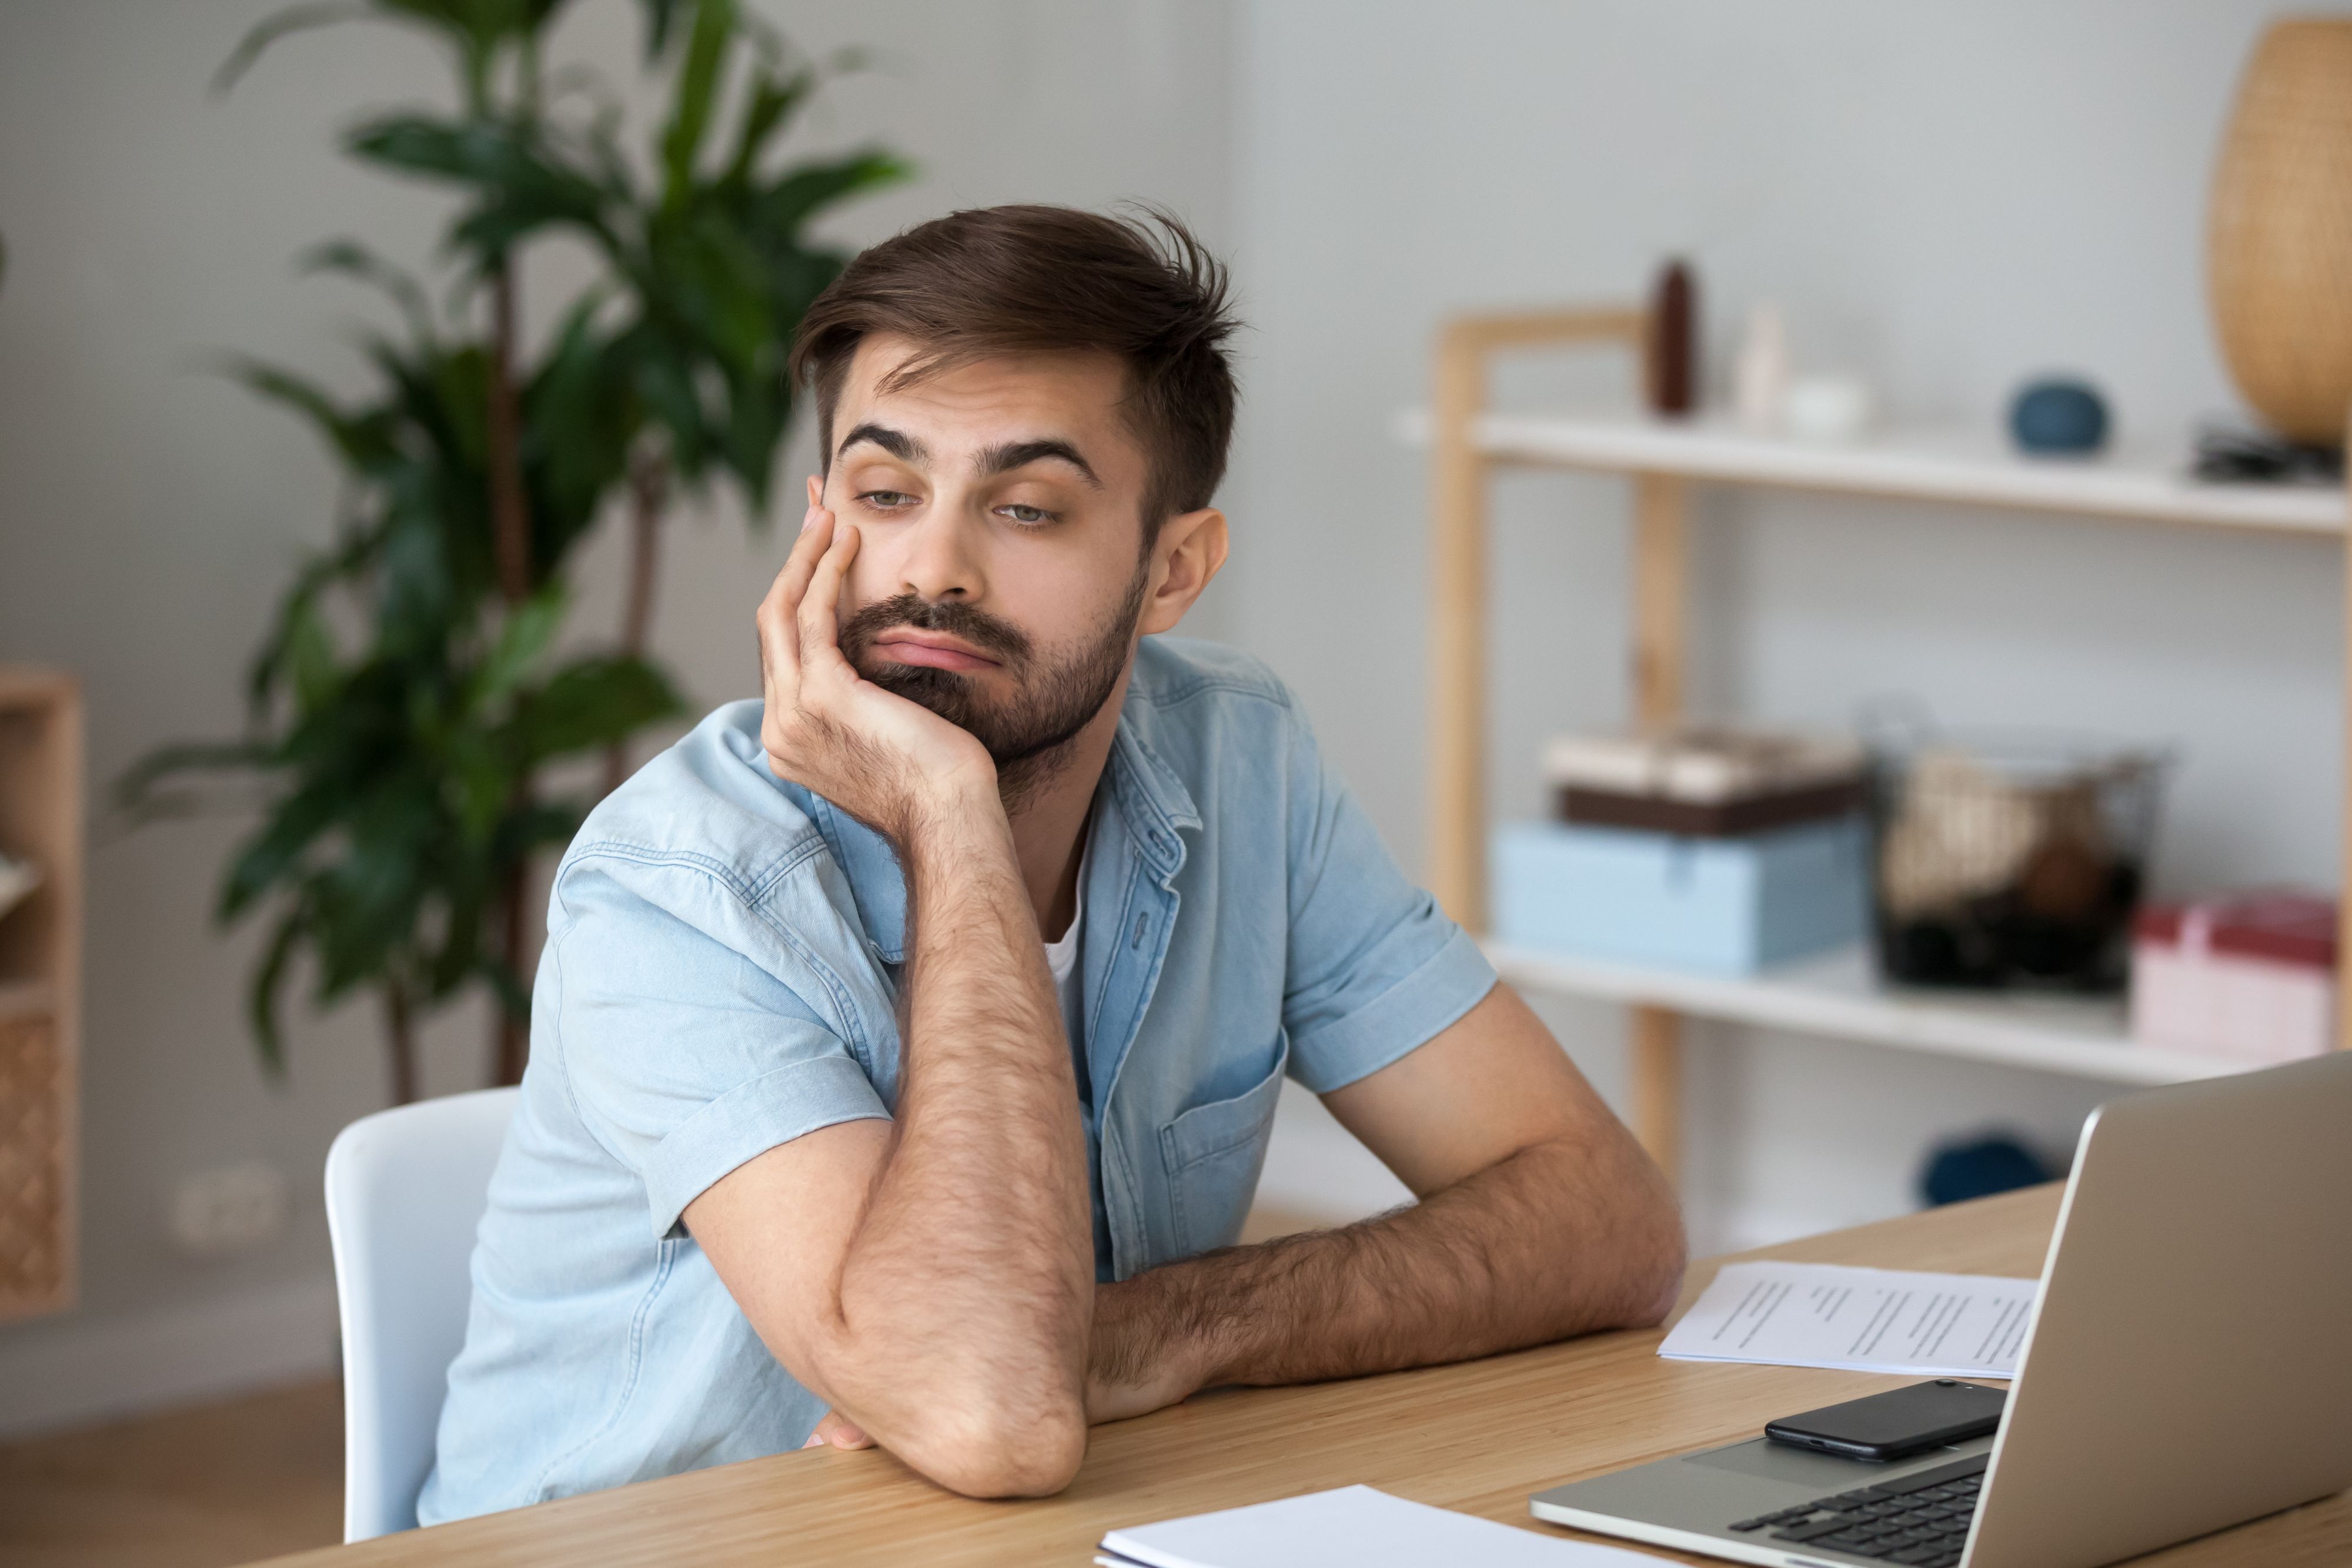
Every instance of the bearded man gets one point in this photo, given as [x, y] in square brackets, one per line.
[907, 1040]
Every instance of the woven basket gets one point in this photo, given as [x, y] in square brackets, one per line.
[2279, 233]
[32, 1168]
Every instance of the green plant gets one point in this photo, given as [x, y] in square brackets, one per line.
[406, 702]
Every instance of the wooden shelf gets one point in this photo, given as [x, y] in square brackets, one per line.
[1957, 466]
[40, 990]
[1840, 997]
[21, 998]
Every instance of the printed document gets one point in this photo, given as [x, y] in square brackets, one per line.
[1353, 1527]
[1858, 1319]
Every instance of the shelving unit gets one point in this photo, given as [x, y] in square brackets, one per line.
[40, 990]
[1922, 464]
[1838, 997]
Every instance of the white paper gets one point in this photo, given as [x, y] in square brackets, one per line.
[1353, 1527]
[1858, 1319]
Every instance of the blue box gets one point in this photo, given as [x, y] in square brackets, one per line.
[1726, 906]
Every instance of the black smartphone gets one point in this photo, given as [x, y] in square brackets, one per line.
[1896, 1424]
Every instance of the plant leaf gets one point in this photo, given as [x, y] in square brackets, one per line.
[523, 638]
[771, 103]
[134, 787]
[782, 210]
[591, 704]
[275, 852]
[360, 442]
[356, 260]
[519, 189]
[262, 993]
[270, 29]
[698, 86]
[661, 18]
[311, 659]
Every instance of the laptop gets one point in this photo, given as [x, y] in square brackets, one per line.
[2189, 1365]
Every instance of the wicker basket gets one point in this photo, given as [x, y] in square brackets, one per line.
[32, 1167]
[2011, 860]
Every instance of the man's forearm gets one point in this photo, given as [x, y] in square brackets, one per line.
[970, 1282]
[1504, 1258]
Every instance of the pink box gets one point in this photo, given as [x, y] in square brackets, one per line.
[2250, 975]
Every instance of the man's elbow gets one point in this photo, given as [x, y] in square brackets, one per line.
[987, 1445]
[1658, 1251]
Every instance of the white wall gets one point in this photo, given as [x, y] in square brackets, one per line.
[149, 513]
[1947, 198]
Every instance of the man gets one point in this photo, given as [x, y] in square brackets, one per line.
[906, 1041]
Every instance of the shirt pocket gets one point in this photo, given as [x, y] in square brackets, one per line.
[1212, 1154]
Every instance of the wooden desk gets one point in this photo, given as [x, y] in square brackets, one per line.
[1478, 1437]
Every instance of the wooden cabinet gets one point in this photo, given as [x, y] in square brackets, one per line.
[40, 990]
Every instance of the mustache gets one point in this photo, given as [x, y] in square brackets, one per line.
[985, 631]
[951, 617]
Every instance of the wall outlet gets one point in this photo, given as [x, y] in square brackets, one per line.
[229, 1212]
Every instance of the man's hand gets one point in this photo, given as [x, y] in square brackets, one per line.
[885, 760]
[836, 1430]
[1134, 1365]
[1539, 1219]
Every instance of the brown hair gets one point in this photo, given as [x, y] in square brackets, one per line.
[1029, 280]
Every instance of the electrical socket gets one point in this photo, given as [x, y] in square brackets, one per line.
[229, 1212]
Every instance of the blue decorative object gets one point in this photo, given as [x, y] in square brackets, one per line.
[1724, 906]
[1959, 1172]
[2060, 414]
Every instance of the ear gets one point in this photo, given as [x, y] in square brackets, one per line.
[1189, 553]
[816, 490]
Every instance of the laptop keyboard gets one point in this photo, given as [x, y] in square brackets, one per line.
[1921, 1520]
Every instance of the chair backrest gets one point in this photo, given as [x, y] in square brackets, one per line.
[406, 1191]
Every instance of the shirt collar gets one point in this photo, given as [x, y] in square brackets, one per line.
[1153, 804]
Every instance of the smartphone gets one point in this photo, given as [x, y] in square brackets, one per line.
[1896, 1424]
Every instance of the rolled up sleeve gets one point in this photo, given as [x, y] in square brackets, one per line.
[1375, 968]
[683, 1056]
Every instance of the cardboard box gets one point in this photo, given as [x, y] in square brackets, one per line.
[2250, 976]
[1721, 905]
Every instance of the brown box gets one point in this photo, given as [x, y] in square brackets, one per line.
[1708, 820]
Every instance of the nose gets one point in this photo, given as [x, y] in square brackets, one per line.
[941, 559]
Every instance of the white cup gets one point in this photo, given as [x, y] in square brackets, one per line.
[1828, 408]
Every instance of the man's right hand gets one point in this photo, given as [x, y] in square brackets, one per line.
[886, 761]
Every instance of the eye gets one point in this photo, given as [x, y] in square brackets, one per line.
[886, 500]
[1028, 517]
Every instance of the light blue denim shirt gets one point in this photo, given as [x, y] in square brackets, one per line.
[722, 958]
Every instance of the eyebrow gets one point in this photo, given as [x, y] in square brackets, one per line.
[896, 442]
[1002, 459]
[1011, 455]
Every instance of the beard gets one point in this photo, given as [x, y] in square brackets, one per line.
[1054, 696]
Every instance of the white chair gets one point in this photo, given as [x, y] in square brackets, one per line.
[406, 1191]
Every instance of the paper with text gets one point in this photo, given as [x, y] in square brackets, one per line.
[1858, 1319]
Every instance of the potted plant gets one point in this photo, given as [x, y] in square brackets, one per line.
[407, 704]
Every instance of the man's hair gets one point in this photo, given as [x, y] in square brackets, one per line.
[1031, 280]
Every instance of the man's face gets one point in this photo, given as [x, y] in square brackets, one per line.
[1000, 572]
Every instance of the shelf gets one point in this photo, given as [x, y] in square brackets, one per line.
[1840, 997]
[1966, 467]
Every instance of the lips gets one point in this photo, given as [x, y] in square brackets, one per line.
[931, 650]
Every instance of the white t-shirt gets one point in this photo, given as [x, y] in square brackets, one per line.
[1062, 955]
[1070, 984]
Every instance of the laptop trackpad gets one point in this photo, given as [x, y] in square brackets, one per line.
[1779, 1462]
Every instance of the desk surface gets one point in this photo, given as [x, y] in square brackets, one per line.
[1478, 1437]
